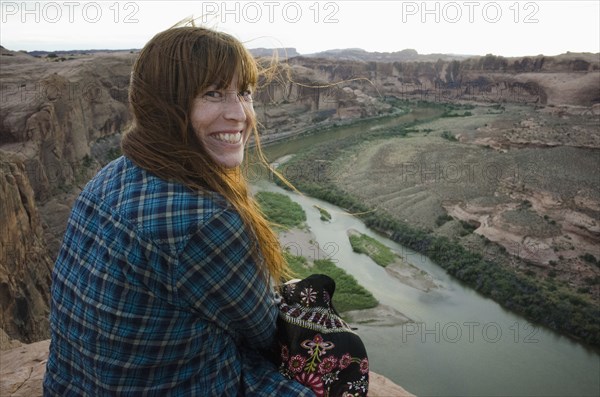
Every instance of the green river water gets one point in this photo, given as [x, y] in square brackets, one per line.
[460, 343]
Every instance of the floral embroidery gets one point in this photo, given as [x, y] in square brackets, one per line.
[360, 385]
[308, 296]
[296, 363]
[313, 381]
[345, 361]
[364, 366]
[318, 349]
[317, 345]
[328, 365]
[318, 372]
[285, 353]
[331, 377]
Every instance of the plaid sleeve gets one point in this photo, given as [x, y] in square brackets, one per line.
[219, 279]
[260, 378]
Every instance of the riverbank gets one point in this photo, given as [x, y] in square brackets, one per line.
[452, 326]
[388, 177]
[392, 262]
[273, 138]
[303, 243]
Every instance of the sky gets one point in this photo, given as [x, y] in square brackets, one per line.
[508, 28]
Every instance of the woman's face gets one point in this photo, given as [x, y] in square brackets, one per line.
[221, 119]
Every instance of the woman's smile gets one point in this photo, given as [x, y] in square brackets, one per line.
[221, 119]
[228, 137]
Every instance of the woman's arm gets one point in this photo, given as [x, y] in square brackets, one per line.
[218, 278]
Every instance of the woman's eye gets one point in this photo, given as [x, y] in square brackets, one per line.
[246, 95]
[221, 95]
[214, 95]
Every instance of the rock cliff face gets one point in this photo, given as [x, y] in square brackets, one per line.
[53, 115]
[311, 91]
[25, 264]
[61, 120]
[541, 80]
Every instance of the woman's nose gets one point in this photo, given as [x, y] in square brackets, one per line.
[236, 108]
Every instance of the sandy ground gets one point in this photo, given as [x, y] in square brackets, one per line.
[382, 315]
[302, 242]
[407, 273]
[411, 276]
[525, 179]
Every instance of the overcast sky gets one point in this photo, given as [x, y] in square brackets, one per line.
[509, 28]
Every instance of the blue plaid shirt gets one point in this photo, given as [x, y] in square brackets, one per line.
[155, 293]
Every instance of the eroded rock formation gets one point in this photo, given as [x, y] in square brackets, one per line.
[60, 121]
[25, 263]
[52, 116]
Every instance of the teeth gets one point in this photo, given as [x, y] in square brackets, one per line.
[229, 138]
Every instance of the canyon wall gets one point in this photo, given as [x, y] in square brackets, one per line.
[62, 118]
[53, 116]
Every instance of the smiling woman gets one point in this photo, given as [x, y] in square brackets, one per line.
[163, 282]
[220, 121]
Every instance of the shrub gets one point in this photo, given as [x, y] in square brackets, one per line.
[280, 209]
[449, 136]
[589, 258]
[380, 254]
[443, 219]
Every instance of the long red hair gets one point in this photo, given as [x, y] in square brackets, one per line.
[172, 69]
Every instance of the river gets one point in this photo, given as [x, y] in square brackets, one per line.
[460, 343]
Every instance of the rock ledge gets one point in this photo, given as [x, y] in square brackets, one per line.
[22, 371]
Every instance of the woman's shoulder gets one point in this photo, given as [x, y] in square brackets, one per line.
[152, 203]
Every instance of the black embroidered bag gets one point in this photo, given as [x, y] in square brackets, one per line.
[317, 347]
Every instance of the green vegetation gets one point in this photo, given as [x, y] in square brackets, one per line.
[325, 215]
[468, 227]
[364, 244]
[281, 210]
[113, 153]
[349, 295]
[443, 219]
[590, 259]
[87, 161]
[496, 109]
[449, 114]
[394, 131]
[540, 300]
[449, 136]
[592, 280]
[525, 204]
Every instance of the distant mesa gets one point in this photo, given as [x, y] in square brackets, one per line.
[40, 53]
[280, 53]
[283, 53]
[407, 55]
[358, 55]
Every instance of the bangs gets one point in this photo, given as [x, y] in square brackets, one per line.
[220, 57]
